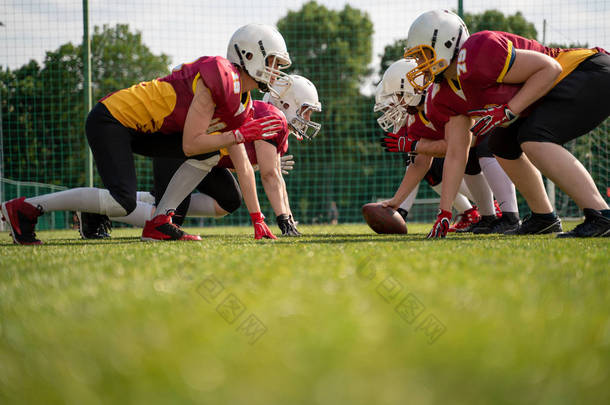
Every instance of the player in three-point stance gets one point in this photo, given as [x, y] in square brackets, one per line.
[172, 116]
[528, 98]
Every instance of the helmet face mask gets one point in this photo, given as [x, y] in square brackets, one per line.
[434, 40]
[260, 50]
[394, 95]
[297, 98]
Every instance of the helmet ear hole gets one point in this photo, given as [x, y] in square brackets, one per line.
[249, 55]
[286, 106]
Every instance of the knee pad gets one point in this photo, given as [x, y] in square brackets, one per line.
[116, 206]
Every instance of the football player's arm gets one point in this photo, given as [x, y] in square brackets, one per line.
[195, 139]
[245, 176]
[430, 147]
[271, 176]
[413, 175]
[538, 73]
[458, 139]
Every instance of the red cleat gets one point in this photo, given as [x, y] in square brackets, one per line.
[22, 217]
[498, 210]
[162, 228]
[465, 220]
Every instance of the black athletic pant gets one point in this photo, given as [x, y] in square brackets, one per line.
[113, 146]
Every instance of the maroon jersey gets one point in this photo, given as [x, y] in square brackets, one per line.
[161, 105]
[443, 101]
[418, 126]
[280, 141]
[486, 56]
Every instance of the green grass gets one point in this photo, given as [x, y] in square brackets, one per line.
[346, 317]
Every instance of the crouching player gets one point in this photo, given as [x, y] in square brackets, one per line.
[294, 102]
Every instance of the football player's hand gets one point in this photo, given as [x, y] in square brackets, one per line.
[441, 226]
[261, 230]
[287, 163]
[287, 225]
[389, 203]
[261, 128]
[399, 143]
[499, 115]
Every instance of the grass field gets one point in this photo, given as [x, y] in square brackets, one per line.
[340, 316]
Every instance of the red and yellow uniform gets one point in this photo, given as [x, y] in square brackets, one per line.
[280, 141]
[161, 105]
[486, 57]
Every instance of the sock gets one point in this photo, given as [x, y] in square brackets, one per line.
[460, 203]
[465, 191]
[85, 199]
[184, 181]
[545, 217]
[481, 193]
[146, 197]
[408, 202]
[501, 185]
[202, 205]
[139, 216]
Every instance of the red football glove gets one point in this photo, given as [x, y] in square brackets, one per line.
[261, 230]
[261, 128]
[499, 115]
[399, 143]
[441, 226]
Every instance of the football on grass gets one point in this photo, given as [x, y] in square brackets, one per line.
[383, 219]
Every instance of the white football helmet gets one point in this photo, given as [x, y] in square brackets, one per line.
[434, 40]
[260, 50]
[394, 94]
[297, 97]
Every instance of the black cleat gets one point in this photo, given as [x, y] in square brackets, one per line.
[22, 218]
[93, 226]
[534, 225]
[504, 224]
[484, 225]
[595, 225]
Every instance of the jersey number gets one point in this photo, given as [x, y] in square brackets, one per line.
[461, 62]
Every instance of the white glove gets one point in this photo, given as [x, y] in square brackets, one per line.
[287, 163]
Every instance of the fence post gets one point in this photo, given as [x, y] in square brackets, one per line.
[461, 9]
[87, 84]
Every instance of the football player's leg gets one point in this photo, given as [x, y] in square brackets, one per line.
[527, 179]
[478, 186]
[577, 105]
[219, 195]
[502, 187]
[183, 182]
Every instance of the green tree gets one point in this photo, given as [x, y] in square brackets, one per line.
[43, 106]
[334, 50]
[496, 21]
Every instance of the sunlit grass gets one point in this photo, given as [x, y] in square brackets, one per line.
[340, 316]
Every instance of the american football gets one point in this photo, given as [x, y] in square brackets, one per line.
[383, 220]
